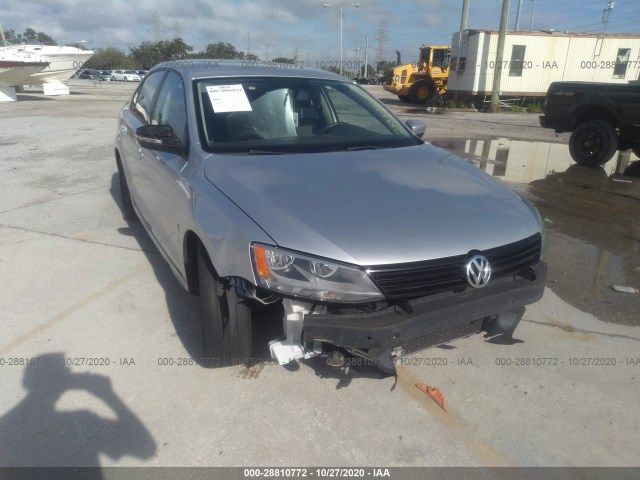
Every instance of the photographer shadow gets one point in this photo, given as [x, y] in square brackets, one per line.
[35, 434]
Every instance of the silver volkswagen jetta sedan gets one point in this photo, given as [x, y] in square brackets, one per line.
[296, 187]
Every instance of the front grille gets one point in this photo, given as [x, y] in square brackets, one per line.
[439, 338]
[514, 257]
[419, 279]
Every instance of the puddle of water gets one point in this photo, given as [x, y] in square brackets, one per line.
[523, 162]
[592, 217]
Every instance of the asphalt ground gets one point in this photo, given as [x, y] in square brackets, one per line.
[98, 340]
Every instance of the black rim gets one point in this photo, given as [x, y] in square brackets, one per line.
[589, 144]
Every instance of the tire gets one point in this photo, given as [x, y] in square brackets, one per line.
[128, 212]
[593, 143]
[420, 92]
[404, 98]
[226, 323]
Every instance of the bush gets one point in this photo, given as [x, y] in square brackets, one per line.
[456, 103]
[535, 108]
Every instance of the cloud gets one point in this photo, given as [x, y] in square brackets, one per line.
[277, 27]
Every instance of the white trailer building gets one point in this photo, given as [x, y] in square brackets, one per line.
[532, 60]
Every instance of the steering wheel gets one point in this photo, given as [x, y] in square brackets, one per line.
[330, 127]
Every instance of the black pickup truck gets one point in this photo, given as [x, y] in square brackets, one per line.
[602, 118]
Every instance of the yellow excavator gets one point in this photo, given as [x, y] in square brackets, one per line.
[418, 82]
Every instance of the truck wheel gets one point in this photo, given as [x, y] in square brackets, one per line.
[403, 98]
[128, 211]
[226, 323]
[420, 92]
[593, 143]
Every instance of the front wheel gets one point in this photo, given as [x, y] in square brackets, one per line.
[226, 323]
[593, 143]
[420, 92]
[128, 211]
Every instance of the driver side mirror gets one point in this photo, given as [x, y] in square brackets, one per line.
[159, 137]
[418, 127]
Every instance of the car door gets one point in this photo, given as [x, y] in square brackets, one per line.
[135, 115]
[166, 194]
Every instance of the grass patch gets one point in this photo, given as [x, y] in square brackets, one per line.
[457, 103]
[531, 108]
[535, 108]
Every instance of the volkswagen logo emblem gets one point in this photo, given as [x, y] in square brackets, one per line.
[478, 271]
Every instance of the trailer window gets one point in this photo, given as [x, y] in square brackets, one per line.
[517, 60]
[622, 60]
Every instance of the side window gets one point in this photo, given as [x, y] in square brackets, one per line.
[171, 108]
[143, 99]
[622, 60]
[438, 58]
[517, 60]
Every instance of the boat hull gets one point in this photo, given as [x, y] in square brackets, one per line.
[16, 73]
[64, 62]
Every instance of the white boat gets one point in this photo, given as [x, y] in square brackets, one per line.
[64, 61]
[17, 67]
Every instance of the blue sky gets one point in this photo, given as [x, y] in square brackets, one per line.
[281, 27]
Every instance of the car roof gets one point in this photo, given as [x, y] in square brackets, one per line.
[193, 69]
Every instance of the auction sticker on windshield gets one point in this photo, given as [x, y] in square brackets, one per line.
[228, 98]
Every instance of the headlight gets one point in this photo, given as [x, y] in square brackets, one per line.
[305, 276]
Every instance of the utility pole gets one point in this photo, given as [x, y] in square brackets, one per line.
[341, 62]
[497, 74]
[533, 14]
[465, 15]
[325, 5]
[366, 56]
[605, 14]
[248, 43]
[518, 15]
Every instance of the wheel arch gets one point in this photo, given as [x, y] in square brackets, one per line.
[421, 76]
[593, 112]
[191, 249]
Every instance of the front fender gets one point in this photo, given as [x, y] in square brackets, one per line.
[225, 231]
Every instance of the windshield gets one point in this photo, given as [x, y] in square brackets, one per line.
[286, 115]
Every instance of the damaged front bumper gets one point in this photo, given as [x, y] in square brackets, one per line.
[412, 325]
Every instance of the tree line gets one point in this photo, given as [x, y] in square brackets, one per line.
[29, 34]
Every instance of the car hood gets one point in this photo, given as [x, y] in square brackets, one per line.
[374, 207]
